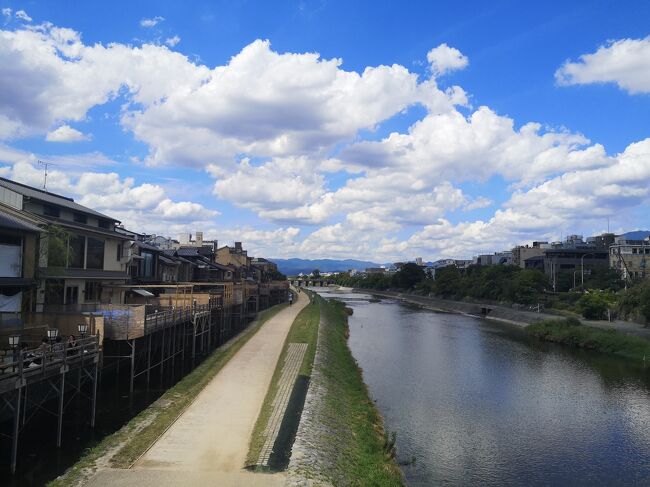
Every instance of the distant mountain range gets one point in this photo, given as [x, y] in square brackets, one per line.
[293, 267]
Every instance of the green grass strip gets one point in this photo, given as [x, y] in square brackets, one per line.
[303, 330]
[363, 454]
[127, 444]
[572, 332]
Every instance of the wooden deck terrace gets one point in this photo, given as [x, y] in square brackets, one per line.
[48, 366]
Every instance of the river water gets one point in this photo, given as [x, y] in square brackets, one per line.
[479, 403]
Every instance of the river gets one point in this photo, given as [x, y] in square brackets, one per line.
[477, 402]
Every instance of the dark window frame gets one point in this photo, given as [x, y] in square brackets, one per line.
[80, 218]
[51, 210]
[95, 253]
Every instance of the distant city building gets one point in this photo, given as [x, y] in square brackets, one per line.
[497, 258]
[418, 261]
[185, 240]
[375, 270]
[630, 258]
[522, 252]
[573, 254]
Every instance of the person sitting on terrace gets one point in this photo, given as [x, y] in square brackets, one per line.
[72, 344]
[41, 353]
[58, 348]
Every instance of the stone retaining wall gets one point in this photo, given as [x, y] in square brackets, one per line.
[309, 458]
[497, 312]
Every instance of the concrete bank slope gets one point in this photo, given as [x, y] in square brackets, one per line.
[501, 313]
[340, 437]
[208, 443]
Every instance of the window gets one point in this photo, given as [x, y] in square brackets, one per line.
[80, 218]
[119, 251]
[10, 240]
[92, 291]
[50, 210]
[105, 224]
[76, 251]
[95, 254]
[146, 265]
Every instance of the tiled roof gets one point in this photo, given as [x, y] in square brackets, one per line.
[52, 198]
[15, 223]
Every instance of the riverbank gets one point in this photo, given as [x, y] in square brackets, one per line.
[505, 314]
[490, 311]
[125, 446]
[340, 438]
[573, 333]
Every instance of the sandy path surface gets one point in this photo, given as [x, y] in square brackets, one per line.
[209, 441]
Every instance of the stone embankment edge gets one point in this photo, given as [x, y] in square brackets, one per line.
[303, 467]
[497, 313]
[503, 313]
[310, 462]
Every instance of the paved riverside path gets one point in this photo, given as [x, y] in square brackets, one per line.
[208, 443]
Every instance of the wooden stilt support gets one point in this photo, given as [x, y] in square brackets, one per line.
[59, 429]
[94, 394]
[132, 345]
[148, 359]
[16, 430]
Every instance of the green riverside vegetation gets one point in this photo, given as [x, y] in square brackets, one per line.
[362, 453]
[125, 446]
[572, 332]
[511, 284]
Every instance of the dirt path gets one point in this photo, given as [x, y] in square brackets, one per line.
[210, 439]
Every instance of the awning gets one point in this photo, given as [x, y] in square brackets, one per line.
[144, 293]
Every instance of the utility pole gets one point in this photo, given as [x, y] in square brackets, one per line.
[582, 269]
[45, 165]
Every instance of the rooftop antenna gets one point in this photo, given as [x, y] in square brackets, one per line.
[45, 165]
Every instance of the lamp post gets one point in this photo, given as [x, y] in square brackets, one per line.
[582, 270]
[52, 333]
[14, 340]
[83, 329]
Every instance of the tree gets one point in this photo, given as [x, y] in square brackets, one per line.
[59, 252]
[447, 282]
[408, 276]
[594, 305]
[315, 273]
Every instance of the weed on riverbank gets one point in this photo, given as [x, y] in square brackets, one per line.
[125, 446]
[571, 332]
[358, 449]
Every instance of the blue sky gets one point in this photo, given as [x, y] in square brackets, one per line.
[458, 174]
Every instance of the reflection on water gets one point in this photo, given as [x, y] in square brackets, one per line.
[479, 403]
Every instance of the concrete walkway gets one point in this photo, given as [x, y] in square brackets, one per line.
[208, 443]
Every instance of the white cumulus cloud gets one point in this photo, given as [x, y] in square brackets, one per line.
[22, 15]
[625, 62]
[172, 41]
[65, 133]
[444, 59]
[151, 22]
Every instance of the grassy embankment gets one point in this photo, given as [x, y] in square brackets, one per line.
[362, 452]
[303, 330]
[356, 449]
[125, 446]
[572, 332]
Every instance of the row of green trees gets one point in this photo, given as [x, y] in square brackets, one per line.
[512, 284]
